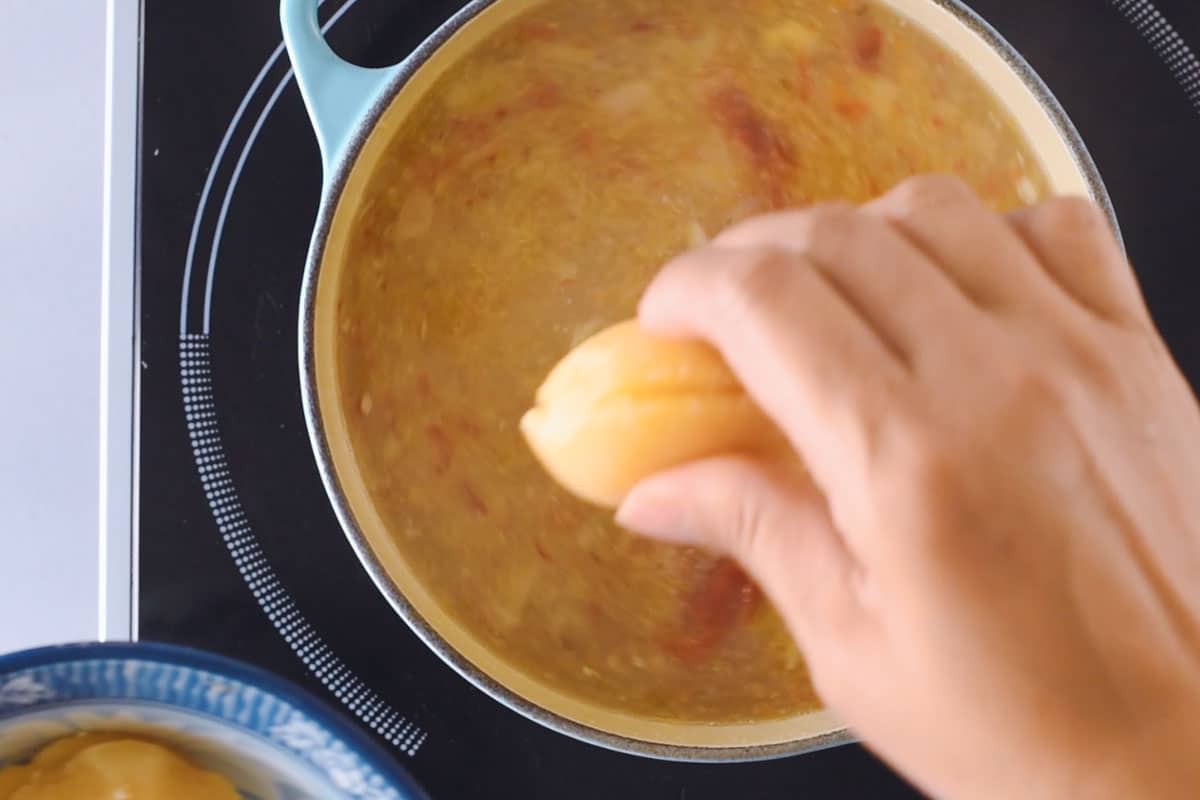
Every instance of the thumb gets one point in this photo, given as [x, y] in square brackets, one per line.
[774, 522]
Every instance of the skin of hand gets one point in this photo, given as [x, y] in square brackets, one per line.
[993, 564]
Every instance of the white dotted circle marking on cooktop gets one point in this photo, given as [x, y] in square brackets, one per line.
[1167, 43]
[252, 563]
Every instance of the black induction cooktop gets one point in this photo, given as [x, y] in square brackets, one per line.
[240, 551]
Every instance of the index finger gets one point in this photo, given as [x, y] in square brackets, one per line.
[798, 346]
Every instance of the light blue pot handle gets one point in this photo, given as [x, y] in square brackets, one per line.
[338, 94]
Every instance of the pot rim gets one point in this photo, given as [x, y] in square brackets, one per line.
[338, 171]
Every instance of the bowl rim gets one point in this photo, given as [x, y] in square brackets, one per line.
[192, 658]
[334, 185]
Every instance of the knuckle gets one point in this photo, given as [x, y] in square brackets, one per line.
[1027, 400]
[1036, 390]
[752, 280]
[1093, 359]
[756, 229]
[1035, 415]
[828, 229]
[1070, 215]
[923, 192]
[747, 529]
[1095, 366]
[929, 463]
[920, 480]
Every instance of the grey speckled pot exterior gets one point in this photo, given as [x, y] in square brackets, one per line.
[347, 104]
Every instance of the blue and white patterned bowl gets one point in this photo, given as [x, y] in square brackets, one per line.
[271, 739]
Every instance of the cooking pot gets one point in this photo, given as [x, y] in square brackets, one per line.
[356, 111]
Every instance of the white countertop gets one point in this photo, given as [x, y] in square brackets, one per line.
[52, 146]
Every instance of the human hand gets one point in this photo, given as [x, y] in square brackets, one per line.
[995, 571]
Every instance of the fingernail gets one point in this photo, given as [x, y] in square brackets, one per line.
[652, 512]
